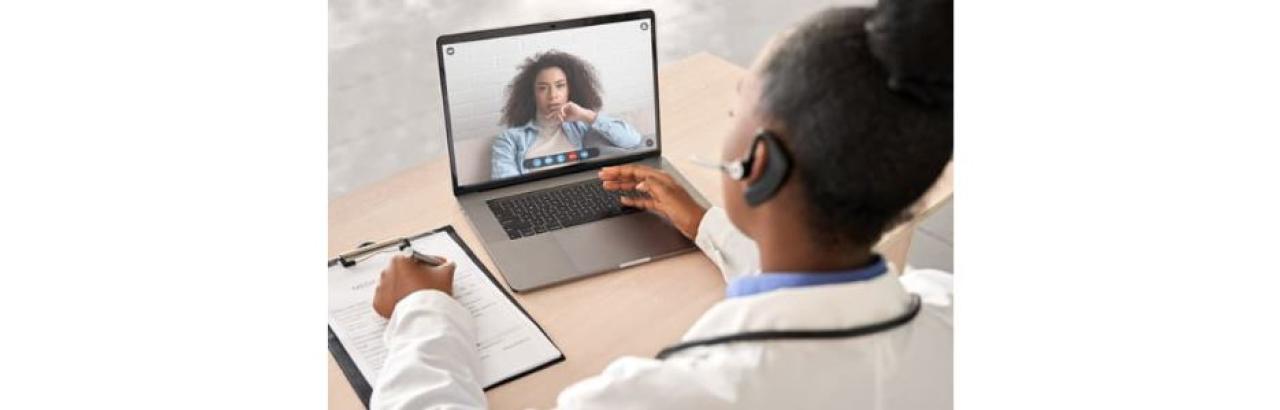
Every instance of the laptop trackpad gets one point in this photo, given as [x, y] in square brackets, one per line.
[606, 244]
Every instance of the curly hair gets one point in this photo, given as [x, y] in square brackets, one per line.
[584, 88]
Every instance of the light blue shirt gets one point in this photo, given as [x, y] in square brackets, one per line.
[511, 145]
[764, 282]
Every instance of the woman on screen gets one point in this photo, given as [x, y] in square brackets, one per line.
[552, 104]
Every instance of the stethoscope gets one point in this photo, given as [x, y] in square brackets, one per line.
[807, 334]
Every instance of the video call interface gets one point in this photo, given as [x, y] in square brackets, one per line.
[526, 104]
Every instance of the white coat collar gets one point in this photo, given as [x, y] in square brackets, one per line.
[809, 307]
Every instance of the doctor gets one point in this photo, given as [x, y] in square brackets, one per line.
[841, 125]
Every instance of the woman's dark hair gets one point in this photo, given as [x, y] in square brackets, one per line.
[584, 88]
[863, 98]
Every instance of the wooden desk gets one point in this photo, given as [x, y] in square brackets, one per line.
[635, 311]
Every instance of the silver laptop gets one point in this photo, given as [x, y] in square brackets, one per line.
[532, 112]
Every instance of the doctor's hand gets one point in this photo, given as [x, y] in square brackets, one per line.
[665, 196]
[405, 275]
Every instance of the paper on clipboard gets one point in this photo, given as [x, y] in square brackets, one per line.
[509, 342]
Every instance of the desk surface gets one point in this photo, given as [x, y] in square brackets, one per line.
[598, 319]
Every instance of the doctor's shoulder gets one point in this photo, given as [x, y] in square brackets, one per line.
[685, 382]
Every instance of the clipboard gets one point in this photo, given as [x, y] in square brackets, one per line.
[361, 386]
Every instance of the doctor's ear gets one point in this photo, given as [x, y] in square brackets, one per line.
[759, 155]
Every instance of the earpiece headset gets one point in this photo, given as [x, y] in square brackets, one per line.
[776, 168]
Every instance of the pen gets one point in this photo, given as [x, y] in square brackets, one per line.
[427, 259]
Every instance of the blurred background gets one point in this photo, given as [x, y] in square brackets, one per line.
[385, 111]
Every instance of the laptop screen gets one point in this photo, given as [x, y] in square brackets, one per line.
[558, 96]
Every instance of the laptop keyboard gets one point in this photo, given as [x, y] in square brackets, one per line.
[546, 210]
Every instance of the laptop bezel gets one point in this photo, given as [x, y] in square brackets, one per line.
[448, 39]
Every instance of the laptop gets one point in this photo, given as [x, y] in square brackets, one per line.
[532, 113]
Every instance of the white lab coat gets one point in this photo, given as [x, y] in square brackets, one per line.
[432, 361]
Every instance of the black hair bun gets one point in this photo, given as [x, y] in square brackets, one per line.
[912, 39]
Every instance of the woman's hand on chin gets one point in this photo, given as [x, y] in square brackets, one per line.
[571, 111]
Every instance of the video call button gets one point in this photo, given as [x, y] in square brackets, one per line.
[560, 158]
